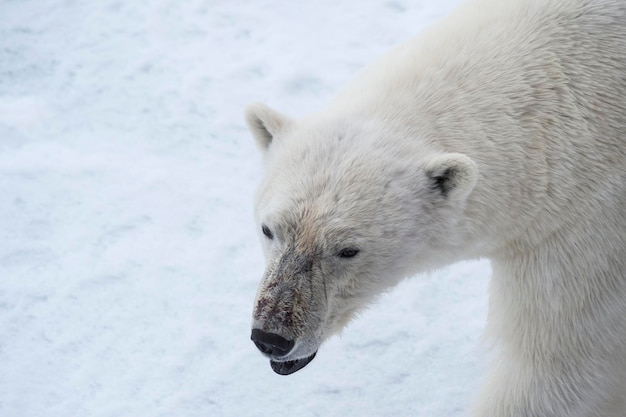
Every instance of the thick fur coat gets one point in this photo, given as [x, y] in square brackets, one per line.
[500, 132]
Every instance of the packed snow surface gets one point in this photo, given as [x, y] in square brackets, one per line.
[129, 259]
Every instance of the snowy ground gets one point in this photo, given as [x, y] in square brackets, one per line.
[128, 256]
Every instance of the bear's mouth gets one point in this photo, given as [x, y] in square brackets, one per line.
[289, 367]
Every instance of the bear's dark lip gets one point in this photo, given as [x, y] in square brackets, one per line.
[289, 367]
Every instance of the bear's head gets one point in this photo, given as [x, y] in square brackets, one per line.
[346, 210]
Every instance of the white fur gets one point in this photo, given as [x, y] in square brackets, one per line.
[523, 104]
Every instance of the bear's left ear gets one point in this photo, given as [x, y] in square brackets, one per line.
[452, 175]
[265, 123]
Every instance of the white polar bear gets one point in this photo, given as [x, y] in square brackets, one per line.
[498, 133]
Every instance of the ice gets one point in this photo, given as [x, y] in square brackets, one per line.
[129, 258]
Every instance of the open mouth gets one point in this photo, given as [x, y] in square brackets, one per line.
[289, 367]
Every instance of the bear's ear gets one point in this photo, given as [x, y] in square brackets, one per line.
[265, 123]
[452, 175]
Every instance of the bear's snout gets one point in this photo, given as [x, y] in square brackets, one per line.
[284, 302]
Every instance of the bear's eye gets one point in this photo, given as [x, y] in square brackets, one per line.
[267, 232]
[348, 253]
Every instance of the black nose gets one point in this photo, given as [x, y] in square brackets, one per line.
[271, 344]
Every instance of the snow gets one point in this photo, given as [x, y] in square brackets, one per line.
[129, 259]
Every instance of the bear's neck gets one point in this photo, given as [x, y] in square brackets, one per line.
[536, 291]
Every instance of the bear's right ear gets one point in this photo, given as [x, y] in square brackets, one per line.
[265, 123]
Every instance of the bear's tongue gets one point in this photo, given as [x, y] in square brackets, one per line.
[289, 367]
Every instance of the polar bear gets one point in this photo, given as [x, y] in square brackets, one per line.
[498, 133]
